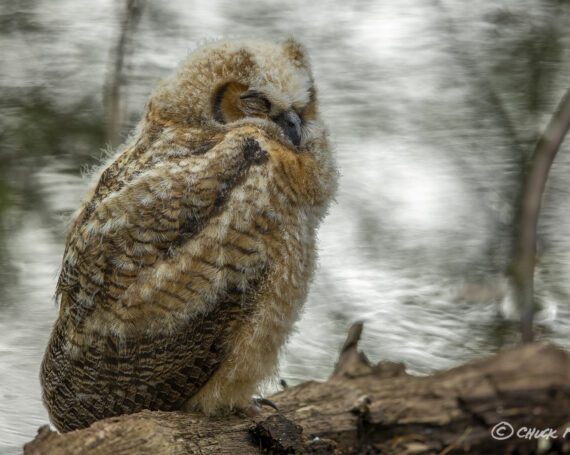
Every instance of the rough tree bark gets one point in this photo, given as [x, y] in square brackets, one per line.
[363, 409]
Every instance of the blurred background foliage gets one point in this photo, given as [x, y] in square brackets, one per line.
[434, 109]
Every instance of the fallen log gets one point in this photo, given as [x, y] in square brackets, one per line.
[365, 409]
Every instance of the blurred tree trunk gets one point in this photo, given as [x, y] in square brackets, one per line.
[522, 268]
[114, 101]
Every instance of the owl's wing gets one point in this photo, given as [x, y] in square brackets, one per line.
[148, 298]
[132, 232]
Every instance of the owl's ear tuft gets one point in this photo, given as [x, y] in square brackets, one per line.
[295, 51]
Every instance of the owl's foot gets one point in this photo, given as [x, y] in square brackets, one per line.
[255, 407]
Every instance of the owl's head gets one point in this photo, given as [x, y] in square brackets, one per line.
[232, 81]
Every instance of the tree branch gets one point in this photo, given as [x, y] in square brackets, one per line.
[364, 409]
[525, 252]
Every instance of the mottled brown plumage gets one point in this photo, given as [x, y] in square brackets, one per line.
[191, 257]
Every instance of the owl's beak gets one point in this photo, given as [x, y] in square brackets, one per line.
[291, 124]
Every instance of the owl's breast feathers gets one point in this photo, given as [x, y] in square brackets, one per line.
[166, 262]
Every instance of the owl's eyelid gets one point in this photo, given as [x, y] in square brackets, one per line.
[253, 94]
[255, 101]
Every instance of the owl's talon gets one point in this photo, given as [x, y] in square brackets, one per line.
[264, 401]
[254, 408]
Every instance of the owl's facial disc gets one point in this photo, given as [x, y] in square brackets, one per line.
[234, 101]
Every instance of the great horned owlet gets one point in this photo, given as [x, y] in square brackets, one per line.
[190, 259]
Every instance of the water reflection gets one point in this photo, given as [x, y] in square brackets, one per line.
[428, 110]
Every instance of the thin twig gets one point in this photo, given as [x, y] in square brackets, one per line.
[113, 98]
[525, 256]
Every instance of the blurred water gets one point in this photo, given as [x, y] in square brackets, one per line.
[419, 237]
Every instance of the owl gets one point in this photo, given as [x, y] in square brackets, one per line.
[191, 257]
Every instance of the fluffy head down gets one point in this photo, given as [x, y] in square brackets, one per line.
[229, 81]
[192, 255]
